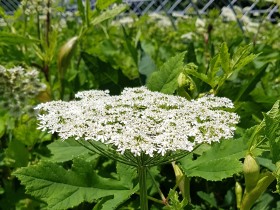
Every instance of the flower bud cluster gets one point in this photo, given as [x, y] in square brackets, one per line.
[139, 120]
[18, 87]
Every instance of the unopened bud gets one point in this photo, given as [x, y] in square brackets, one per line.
[251, 170]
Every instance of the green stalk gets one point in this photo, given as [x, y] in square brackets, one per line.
[142, 173]
[250, 197]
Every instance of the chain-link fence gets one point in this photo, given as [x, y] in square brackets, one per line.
[255, 8]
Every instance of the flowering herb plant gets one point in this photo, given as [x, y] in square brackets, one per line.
[147, 128]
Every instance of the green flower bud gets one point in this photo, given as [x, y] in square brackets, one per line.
[251, 170]
[238, 194]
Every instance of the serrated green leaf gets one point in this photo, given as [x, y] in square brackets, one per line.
[242, 57]
[219, 162]
[198, 75]
[259, 133]
[11, 38]
[108, 14]
[215, 65]
[174, 202]
[66, 150]
[165, 80]
[225, 58]
[272, 131]
[62, 189]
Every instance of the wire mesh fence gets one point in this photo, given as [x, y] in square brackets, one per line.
[257, 8]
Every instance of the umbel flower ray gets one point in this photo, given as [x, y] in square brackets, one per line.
[140, 122]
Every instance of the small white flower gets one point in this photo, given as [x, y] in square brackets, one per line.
[139, 120]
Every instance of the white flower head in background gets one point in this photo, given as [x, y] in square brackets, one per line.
[18, 88]
[228, 14]
[200, 25]
[139, 120]
[161, 20]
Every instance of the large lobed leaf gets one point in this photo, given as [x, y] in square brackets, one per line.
[219, 162]
[62, 189]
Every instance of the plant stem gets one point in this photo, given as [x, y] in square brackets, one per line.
[142, 173]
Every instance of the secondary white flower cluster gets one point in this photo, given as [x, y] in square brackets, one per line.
[139, 120]
[18, 87]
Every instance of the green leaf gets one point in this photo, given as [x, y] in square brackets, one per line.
[219, 162]
[258, 136]
[16, 155]
[272, 131]
[132, 50]
[11, 38]
[2, 125]
[62, 189]
[225, 58]
[67, 150]
[213, 77]
[200, 76]
[103, 72]
[174, 202]
[27, 133]
[209, 198]
[146, 65]
[103, 4]
[108, 14]
[125, 173]
[242, 57]
[165, 80]
[250, 85]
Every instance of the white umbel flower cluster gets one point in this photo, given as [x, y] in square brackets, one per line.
[18, 89]
[139, 120]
